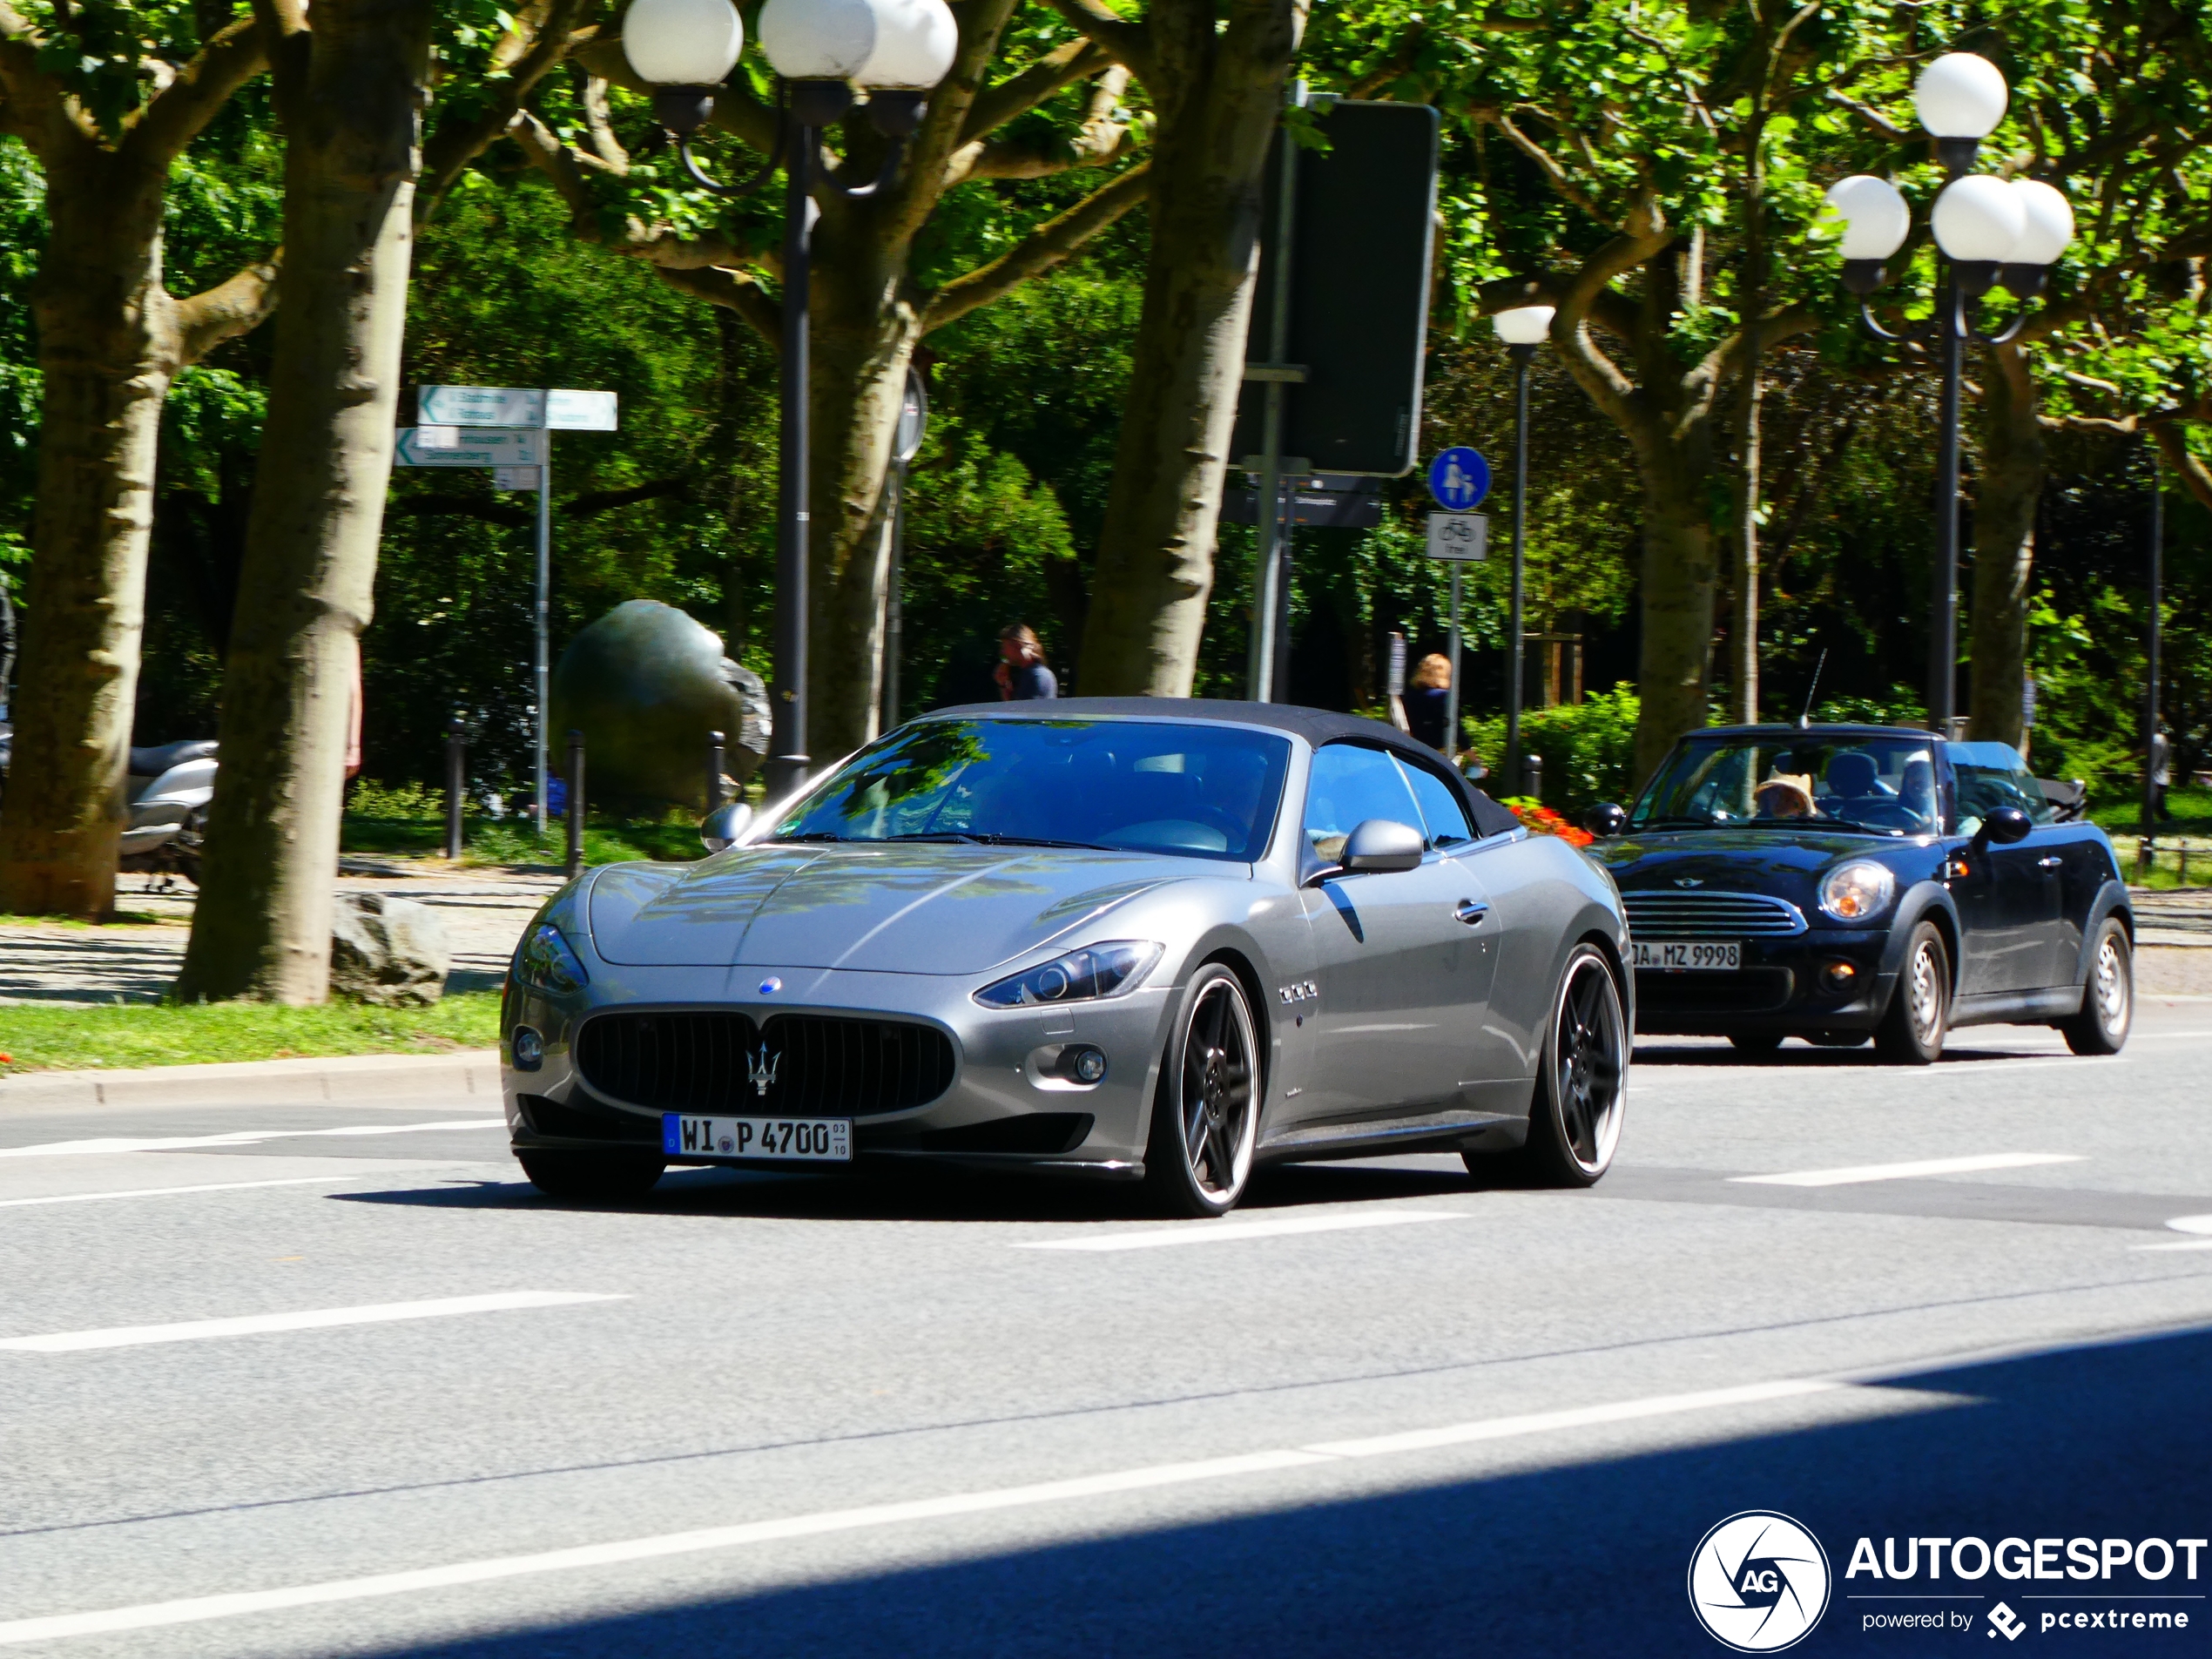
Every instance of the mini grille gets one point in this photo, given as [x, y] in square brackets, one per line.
[711, 1061]
[1681, 913]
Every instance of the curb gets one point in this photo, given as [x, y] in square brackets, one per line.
[311, 1082]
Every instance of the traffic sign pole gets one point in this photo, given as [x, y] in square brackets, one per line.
[541, 604]
[1451, 685]
[1270, 568]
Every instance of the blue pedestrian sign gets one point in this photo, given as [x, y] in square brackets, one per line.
[1459, 478]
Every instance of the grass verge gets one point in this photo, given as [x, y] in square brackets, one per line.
[76, 1036]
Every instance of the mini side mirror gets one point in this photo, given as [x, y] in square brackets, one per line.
[724, 825]
[2007, 825]
[1381, 845]
[1605, 819]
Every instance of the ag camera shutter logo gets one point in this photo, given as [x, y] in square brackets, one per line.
[1758, 1582]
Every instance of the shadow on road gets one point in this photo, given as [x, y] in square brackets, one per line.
[2093, 1441]
[1801, 1057]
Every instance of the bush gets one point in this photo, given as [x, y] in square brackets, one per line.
[1588, 748]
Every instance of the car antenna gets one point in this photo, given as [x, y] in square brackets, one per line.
[1804, 716]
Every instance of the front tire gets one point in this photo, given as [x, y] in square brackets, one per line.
[591, 1176]
[2109, 1000]
[1912, 1027]
[1205, 1121]
[1575, 1120]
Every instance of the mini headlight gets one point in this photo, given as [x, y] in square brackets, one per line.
[1111, 969]
[544, 962]
[1858, 891]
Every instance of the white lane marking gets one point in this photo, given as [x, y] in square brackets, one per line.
[235, 1138]
[1857, 1173]
[1217, 1233]
[131, 1335]
[197, 1609]
[2186, 1244]
[1626, 1410]
[2191, 1223]
[158, 1192]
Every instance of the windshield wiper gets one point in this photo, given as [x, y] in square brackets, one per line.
[1683, 823]
[812, 835]
[985, 837]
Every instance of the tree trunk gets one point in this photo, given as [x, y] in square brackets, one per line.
[107, 349]
[350, 92]
[1745, 634]
[1219, 97]
[2006, 494]
[1678, 576]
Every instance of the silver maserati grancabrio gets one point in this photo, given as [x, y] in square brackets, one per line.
[1131, 938]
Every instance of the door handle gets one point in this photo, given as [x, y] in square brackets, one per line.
[1470, 911]
[2051, 863]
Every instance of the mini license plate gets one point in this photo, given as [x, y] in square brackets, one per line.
[821, 1140]
[1688, 955]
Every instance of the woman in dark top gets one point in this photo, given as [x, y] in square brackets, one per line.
[1425, 701]
[1021, 673]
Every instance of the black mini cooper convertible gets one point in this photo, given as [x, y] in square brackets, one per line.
[1841, 883]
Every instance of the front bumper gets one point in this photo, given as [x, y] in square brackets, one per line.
[1783, 985]
[1006, 1105]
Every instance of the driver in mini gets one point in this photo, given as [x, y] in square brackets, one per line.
[1785, 794]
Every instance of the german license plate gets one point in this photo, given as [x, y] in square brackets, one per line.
[814, 1140]
[1688, 955]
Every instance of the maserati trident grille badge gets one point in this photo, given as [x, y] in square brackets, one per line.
[760, 1068]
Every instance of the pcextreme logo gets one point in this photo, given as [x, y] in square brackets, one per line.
[1758, 1582]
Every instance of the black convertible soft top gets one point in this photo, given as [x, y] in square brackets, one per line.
[1316, 727]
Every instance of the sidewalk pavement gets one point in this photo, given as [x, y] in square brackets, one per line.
[484, 911]
[353, 1078]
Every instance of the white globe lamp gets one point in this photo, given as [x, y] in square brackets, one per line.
[1875, 217]
[914, 44]
[818, 40]
[683, 48]
[1979, 220]
[1524, 325]
[1960, 94]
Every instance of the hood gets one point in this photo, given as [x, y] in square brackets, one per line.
[1734, 861]
[934, 909]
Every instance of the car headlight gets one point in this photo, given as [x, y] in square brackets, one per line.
[1855, 892]
[545, 963]
[1111, 969]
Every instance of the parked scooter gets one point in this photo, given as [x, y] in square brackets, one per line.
[169, 787]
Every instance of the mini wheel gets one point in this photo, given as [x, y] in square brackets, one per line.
[591, 1175]
[1205, 1123]
[2109, 1000]
[1912, 1027]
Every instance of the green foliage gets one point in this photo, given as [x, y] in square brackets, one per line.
[1588, 748]
[409, 818]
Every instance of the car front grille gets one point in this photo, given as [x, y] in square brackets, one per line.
[1677, 914]
[717, 1061]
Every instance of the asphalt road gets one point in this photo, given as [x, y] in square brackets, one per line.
[1382, 1409]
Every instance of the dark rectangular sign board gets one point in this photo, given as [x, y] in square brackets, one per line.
[1363, 239]
[1338, 501]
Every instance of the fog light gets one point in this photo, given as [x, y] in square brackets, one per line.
[1083, 1063]
[1840, 976]
[528, 1048]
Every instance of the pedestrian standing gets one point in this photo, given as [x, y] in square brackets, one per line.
[2160, 771]
[1426, 701]
[1021, 673]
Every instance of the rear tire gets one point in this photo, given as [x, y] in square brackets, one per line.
[2108, 999]
[594, 1176]
[1582, 1090]
[1755, 1041]
[1205, 1121]
[1912, 1027]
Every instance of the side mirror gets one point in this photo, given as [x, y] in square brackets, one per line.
[2007, 825]
[724, 825]
[1382, 845]
[1605, 819]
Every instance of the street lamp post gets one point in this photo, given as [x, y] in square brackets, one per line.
[1989, 232]
[895, 50]
[1523, 328]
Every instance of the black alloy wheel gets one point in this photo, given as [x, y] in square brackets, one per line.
[1205, 1123]
[1583, 1091]
[2109, 998]
[1912, 1027]
[592, 1177]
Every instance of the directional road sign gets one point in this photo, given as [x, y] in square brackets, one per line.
[480, 406]
[472, 447]
[573, 411]
[1458, 479]
[1459, 535]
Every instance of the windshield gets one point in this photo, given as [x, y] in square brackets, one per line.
[1886, 784]
[1201, 791]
